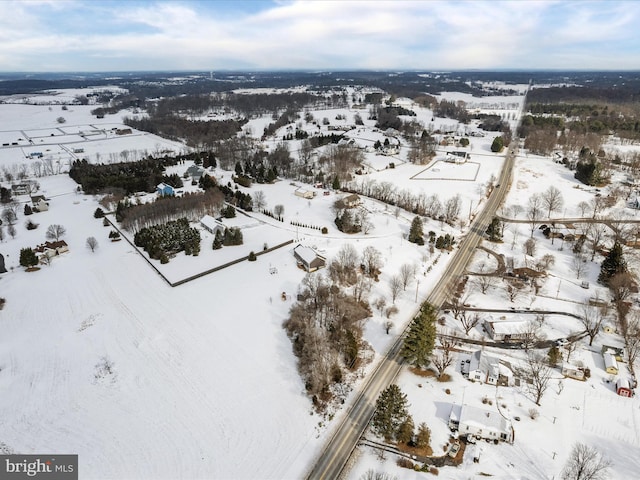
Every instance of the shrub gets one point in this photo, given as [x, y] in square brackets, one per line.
[405, 463]
[30, 225]
[99, 213]
[252, 257]
[325, 230]
[105, 222]
[533, 413]
[2, 302]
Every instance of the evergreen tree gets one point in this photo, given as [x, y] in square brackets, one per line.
[99, 213]
[421, 337]
[497, 145]
[336, 183]
[613, 264]
[415, 232]
[391, 412]
[252, 257]
[405, 432]
[494, 230]
[28, 257]
[423, 437]
[217, 241]
[554, 355]
[27, 209]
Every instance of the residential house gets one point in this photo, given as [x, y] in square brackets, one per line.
[165, 190]
[480, 423]
[195, 172]
[506, 330]
[39, 203]
[212, 225]
[456, 157]
[308, 259]
[51, 249]
[610, 363]
[485, 368]
[623, 387]
[21, 189]
[351, 201]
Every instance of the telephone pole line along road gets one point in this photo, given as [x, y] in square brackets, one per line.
[336, 453]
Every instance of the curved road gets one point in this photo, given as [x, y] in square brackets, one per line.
[336, 453]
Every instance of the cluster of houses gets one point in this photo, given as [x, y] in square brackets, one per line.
[612, 356]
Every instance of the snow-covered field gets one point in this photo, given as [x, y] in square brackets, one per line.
[100, 357]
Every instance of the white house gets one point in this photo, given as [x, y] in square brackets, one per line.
[485, 368]
[572, 371]
[303, 193]
[456, 157]
[505, 330]
[480, 423]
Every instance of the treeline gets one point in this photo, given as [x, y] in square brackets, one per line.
[618, 92]
[141, 176]
[192, 206]
[419, 204]
[196, 133]
[162, 241]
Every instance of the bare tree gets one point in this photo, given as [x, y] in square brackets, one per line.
[9, 216]
[55, 231]
[514, 290]
[621, 286]
[443, 358]
[278, 210]
[92, 243]
[12, 231]
[259, 200]
[484, 282]
[552, 200]
[388, 326]
[597, 204]
[596, 234]
[407, 273]
[538, 374]
[579, 265]
[529, 247]
[591, 318]
[583, 207]
[534, 211]
[469, 321]
[531, 334]
[585, 463]
[631, 335]
[547, 261]
[452, 209]
[371, 261]
[380, 303]
[395, 287]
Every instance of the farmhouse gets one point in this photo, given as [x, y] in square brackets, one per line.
[505, 330]
[480, 423]
[485, 368]
[21, 189]
[623, 387]
[212, 225]
[308, 259]
[165, 190]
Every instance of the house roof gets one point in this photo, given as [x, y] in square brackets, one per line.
[211, 223]
[162, 186]
[507, 327]
[37, 198]
[481, 417]
[622, 382]
[306, 254]
[610, 361]
[483, 362]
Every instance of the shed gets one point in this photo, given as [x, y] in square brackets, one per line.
[303, 193]
[572, 371]
[623, 387]
[308, 259]
[610, 364]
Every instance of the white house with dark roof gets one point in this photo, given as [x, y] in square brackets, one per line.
[308, 259]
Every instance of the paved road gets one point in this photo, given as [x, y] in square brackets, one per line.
[339, 448]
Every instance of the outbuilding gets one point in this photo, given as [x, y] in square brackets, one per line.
[623, 387]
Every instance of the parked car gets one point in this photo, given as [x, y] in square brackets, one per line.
[455, 448]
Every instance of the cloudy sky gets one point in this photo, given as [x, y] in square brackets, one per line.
[95, 35]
